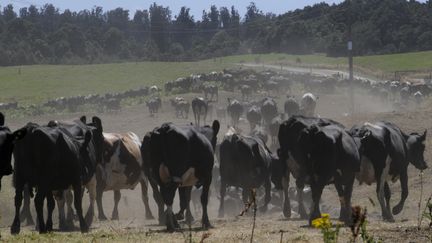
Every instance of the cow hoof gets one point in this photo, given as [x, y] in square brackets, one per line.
[30, 222]
[397, 209]
[49, 227]
[84, 229]
[149, 216]
[207, 225]
[179, 216]
[102, 218]
[189, 219]
[389, 219]
[263, 209]
[15, 230]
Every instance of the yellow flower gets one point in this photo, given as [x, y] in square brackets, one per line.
[323, 222]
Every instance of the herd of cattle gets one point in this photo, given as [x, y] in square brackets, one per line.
[61, 157]
[58, 158]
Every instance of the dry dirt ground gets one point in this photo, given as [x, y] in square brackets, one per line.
[132, 225]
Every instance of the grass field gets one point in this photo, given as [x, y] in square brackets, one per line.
[385, 63]
[38, 83]
[35, 84]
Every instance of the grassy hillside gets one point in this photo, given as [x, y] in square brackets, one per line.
[34, 84]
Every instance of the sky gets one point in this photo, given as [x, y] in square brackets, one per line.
[196, 6]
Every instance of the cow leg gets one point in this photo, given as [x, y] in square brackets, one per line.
[301, 206]
[60, 198]
[145, 199]
[117, 196]
[183, 204]
[386, 214]
[245, 195]
[344, 192]
[185, 197]
[159, 201]
[286, 203]
[50, 206]
[222, 199]
[404, 192]
[15, 228]
[38, 201]
[25, 212]
[91, 187]
[204, 201]
[317, 190]
[267, 197]
[387, 195]
[78, 207]
[168, 193]
[70, 213]
[99, 194]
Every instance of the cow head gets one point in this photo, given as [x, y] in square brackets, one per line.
[215, 128]
[7, 141]
[97, 137]
[416, 147]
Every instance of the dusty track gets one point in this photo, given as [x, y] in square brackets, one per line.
[133, 226]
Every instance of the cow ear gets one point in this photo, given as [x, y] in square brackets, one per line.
[19, 134]
[87, 138]
[2, 119]
[83, 119]
[98, 123]
[423, 137]
[215, 127]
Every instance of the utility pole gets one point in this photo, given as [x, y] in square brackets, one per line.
[350, 62]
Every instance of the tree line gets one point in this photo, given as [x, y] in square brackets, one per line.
[44, 34]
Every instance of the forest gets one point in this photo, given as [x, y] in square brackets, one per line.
[46, 35]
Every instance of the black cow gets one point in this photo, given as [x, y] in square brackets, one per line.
[386, 154]
[199, 108]
[268, 110]
[77, 128]
[154, 104]
[55, 161]
[211, 90]
[246, 91]
[178, 157]
[244, 162]
[7, 139]
[274, 127]
[291, 106]
[253, 116]
[235, 110]
[317, 152]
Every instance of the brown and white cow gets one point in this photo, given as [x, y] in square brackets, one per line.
[121, 168]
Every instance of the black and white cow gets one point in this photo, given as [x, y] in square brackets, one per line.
[178, 157]
[317, 152]
[235, 110]
[308, 104]
[199, 108]
[386, 154]
[253, 116]
[269, 110]
[54, 160]
[244, 162]
[121, 168]
[291, 106]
